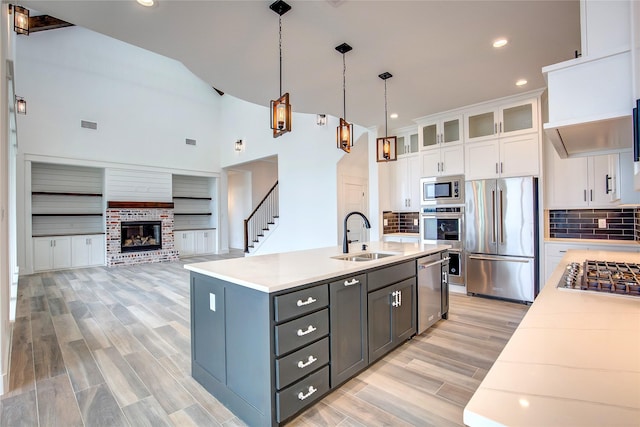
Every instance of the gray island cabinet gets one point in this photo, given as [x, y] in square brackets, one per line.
[268, 352]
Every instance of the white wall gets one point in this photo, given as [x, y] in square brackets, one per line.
[7, 44]
[145, 105]
[307, 170]
[239, 203]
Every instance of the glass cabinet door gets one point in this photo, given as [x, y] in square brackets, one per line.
[481, 125]
[413, 143]
[400, 146]
[429, 136]
[451, 130]
[519, 117]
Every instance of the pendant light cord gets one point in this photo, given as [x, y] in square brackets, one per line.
[385, 108]
[280, 48]
[344, 87]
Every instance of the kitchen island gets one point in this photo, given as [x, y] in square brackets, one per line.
[272, 334]
[573, 361]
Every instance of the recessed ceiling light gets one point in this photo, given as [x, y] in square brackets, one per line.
[393, 115]
[500, 43]
[146, 3]
[521, 82]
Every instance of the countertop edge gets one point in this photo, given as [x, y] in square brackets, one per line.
[294, 278]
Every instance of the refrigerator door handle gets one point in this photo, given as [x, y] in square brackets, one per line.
[499, 258]
[493, 216]
[501, 230]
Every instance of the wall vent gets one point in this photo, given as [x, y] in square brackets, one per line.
[88, 125]
[190, 141]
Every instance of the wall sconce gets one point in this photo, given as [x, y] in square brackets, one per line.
[321, 119]
[21, 20]
[239, 146]
[386, 148]
[280, 108]
[21, 105]
[344, 135]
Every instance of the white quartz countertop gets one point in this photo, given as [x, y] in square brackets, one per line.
[573, 361]
[281, 271]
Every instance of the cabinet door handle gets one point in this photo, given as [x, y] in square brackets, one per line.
[399, 298]
[500, 127]
[607, 190]
[394, 303]
[591, 195]
[311, 390]
[309, 361]
[309, 300]
[495, 128]
[352, 282]
[501, 167]
[585, 195]
[302, 333]
[496, 167]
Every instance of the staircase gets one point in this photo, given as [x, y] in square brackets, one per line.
[261, 220]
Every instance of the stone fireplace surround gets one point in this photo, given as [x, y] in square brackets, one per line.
[118, 212]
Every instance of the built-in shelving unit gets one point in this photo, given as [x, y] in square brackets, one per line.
[67, 216]
[194, 214]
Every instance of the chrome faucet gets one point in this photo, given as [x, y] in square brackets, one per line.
[345, 242]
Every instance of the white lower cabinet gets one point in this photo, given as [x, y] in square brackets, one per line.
[51, 253]
[87, 250]
[57, 252]
[195, 242]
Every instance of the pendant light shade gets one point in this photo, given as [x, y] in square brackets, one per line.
[21, 20]
[344, 136]
[280, 108]
[386, 148]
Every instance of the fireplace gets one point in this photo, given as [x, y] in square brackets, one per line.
[138, 236]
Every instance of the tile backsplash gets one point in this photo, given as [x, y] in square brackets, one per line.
[401, 222]
[621, 224]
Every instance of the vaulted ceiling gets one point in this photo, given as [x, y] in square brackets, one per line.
[439, 52]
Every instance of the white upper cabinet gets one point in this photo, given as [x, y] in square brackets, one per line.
[435, 132]
[604, 26]
[443, 161]
[408, 141]
[501, 120]
[406, 189]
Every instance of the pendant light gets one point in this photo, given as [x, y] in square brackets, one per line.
[280, 108]
[386, 148]
[344, 137]
[21, 20]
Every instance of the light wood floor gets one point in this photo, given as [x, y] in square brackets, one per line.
[111, 346]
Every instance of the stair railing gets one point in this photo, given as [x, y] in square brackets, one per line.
[261, 217]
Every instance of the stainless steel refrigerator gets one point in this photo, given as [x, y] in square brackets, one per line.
[501, 244]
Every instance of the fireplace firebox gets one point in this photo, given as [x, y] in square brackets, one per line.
[140, 236]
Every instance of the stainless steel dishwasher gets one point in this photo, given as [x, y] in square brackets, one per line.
[432, 281]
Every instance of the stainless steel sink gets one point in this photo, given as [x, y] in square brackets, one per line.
[364, 256]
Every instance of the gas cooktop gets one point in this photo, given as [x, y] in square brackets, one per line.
[608, 277]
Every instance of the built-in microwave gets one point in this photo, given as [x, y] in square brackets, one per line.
[442, 190]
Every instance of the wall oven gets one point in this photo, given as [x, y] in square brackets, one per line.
[445, 225]
[442, 190]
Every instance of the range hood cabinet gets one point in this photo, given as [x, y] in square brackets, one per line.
[590, 105]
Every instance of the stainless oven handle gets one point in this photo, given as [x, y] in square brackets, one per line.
[442, 216]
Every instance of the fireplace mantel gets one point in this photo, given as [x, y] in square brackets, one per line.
[139, 205]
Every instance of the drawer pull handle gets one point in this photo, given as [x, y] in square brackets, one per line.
[302, 396]
[309, 300]
[309, 361]
[302, 333]
[351, 283]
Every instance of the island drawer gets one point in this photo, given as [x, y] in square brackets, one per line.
[304, 361]
[297, 303]
[299, 332]
[386, 276]
[301, 394]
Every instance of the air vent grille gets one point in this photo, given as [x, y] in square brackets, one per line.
[88, 125]
[190, 141]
